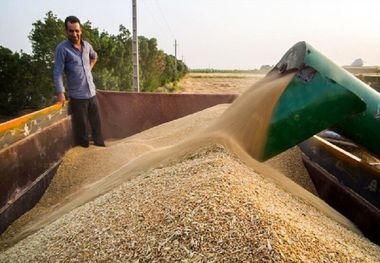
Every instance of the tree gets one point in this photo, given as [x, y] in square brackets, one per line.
[45, 36]
[20, 82]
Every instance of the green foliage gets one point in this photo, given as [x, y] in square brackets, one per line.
[22, 83]
[113, 70]
[10, 95]
[45, 36]
[26, 80]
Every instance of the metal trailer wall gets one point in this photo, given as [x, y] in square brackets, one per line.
[32, 146]
[125, 114]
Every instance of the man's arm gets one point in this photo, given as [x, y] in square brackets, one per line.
[93, 57]
[92, 63]
[59, 66]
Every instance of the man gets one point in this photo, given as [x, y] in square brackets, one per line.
[76, 58]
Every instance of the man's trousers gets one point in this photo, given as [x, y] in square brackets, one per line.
[86, 111]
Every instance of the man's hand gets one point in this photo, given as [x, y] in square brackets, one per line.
[92, 63]
[61, 98]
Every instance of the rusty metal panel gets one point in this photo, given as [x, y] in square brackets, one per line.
[342, 181]
[27, 166]
[124, 114]
[24, 126]
[346, 201]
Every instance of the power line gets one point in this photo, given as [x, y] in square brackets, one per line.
[165, 25]
[169, 28]
[157, 22]
[163, 16]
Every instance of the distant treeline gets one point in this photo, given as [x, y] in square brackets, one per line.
[262, 70]
[26, 79]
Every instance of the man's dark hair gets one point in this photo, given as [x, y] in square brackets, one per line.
[72, 19]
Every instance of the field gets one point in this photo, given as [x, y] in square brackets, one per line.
[217, 82]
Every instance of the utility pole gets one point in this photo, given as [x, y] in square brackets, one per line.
[135, 49]
[175, 61]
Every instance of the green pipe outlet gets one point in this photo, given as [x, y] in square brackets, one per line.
[321, 95]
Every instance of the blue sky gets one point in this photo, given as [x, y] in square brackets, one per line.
[239, 34]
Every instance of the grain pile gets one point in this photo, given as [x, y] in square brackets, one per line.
[202, 198]
[290, 164]
[82, 167]
[205, 206]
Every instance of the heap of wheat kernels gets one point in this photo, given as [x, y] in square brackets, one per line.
[206, 206]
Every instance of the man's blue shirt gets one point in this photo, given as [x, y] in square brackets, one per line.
[76, 66]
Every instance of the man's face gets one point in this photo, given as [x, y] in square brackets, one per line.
[74, 32]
